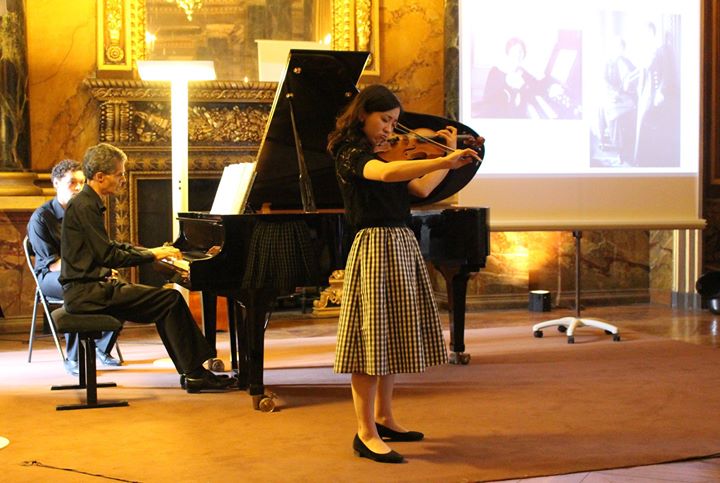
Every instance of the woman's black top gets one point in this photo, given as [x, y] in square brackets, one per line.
[368, 203]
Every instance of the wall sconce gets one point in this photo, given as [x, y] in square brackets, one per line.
[178, 73]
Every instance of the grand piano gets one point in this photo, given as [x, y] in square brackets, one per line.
[292, 233]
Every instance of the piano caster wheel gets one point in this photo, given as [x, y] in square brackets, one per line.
[216, 365]
[571, 339]
[538, 334]
[616, 337]
[264, 403]
[562, 328]
[459, 358]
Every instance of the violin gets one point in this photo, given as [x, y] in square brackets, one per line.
[424, 143]
[421, 142]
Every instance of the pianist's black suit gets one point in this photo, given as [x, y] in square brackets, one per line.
[87, 256]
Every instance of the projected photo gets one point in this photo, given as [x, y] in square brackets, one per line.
[637, 92]
[514, 88]
[598, 87]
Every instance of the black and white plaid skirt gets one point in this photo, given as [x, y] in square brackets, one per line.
[389, 321]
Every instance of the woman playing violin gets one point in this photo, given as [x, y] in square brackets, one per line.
[389, 320]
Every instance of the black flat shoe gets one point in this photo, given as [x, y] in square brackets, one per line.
[364, 452]
[392, 435]
[209, 382]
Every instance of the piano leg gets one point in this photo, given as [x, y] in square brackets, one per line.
[242, 323]
[233, 309]
[252, 349]
[209, 313]
[456, 278]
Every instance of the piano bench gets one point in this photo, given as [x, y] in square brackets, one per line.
[88, 327]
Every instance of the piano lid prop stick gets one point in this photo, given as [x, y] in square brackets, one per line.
[306, 191]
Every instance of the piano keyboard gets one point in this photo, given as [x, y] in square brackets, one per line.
[182, 264]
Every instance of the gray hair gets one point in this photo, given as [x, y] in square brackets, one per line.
[102, 158]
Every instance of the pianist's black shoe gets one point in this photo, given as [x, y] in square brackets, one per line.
[392, 435]
[207, 381]
[183, 377]
[106, 359]
[364, 452]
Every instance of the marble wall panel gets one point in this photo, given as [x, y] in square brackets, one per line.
[412, 44]
[615, 267]
[16, 283]
[61, 54]
[661, 265]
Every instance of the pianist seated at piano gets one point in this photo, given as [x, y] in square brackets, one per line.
[88, 257]
[389, 321]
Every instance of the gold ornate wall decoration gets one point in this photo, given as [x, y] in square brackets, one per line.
[227, 125]
[121, 32]
[115, 122]
[356, 27]
[114, 43]
[210, 91]
[137, 29]
[222, 114]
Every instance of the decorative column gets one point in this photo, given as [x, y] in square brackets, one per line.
[14, 112]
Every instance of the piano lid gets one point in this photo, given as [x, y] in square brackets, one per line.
[321, 84]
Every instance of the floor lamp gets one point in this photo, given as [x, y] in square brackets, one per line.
[178, 73]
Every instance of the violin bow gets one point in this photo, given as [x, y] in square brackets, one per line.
[406, 130]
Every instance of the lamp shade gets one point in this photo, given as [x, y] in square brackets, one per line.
[176, 70]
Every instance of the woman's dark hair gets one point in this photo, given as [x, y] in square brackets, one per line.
[374, 98]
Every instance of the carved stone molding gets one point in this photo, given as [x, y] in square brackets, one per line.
[216, 91]
[226, 122]
[222, 115]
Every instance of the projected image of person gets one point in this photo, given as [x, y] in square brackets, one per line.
[639, 113]
[548, 86]
[656, 85]
[616, 119]
[510, 89]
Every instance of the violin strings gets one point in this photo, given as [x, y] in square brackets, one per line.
[406, 130]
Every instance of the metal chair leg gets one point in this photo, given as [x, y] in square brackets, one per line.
[51, 323]
[117, 349]
[32, 325]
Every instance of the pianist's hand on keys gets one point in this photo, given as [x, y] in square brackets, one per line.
[171, 255]
[167, 252]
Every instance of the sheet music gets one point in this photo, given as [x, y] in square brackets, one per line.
[233, 189]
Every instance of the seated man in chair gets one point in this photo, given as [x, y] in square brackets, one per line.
[44, 234]
[89, 255]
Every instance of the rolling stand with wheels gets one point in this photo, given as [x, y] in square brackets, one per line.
[569, 324]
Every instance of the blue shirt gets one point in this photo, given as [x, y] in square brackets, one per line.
[43, 231]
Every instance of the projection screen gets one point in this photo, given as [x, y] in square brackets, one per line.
[590, 109]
